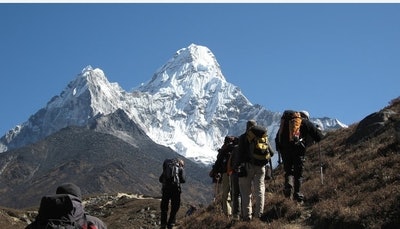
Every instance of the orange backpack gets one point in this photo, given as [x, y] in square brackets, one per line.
[292, 121]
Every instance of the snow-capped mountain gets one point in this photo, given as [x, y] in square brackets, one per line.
[192, 105]
[187, 105]
[88, 95]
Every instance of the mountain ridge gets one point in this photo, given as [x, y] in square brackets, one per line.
[187, 105]
[96, 161]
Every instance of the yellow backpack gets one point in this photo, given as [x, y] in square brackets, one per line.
[259, 145]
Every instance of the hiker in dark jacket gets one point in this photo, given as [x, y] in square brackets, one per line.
[72, 189]
[171, 191]
[293, 155]
[79, 215]
[235, 190]
[221, 169]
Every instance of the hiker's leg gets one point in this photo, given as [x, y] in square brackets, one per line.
[175, 204]
[235, 194]
[298, 177]
[164, 207]
[226, 188]
[259, 189]
[245, 192]
[288, 167]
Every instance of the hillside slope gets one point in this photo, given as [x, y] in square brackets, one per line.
[98, 163]
[361, 188]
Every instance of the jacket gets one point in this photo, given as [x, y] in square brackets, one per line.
[308, 133]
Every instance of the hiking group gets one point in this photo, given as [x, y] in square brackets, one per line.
[243, 162]
[239, 174]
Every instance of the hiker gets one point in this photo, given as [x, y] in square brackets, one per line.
[250, 174]
[235, 191]
[292, 142]
[220, 167]
[172, 177]
[72, 189]
[66, 203]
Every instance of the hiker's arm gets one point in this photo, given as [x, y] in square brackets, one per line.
[242, 149]
[182, 175]
[314, 132]
[277, 143]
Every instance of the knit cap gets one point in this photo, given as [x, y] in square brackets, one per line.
[69, 188]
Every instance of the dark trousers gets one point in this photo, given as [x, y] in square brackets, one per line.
[293, 163]
[235, 192]
[170, 193]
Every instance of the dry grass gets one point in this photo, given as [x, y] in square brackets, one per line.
[361, 185]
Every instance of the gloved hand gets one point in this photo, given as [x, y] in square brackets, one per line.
[211, 173]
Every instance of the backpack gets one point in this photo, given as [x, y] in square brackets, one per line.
[224, 154]
[289, 130]
[171, 171]
[58, 212]
[259, 145]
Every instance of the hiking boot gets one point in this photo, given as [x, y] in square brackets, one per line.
[287, 192]
[298, 197]
[247, 219]
[300, 203]
[172, 225]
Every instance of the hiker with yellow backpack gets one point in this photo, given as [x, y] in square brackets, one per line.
[296, 133]
[253, 154]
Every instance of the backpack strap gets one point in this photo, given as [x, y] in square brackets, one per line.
[88, 224]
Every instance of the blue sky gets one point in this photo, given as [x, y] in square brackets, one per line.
[335, 60]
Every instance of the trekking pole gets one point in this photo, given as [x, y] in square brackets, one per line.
[215, 191]
[320, 164]
[272, 170]
[216, 188]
